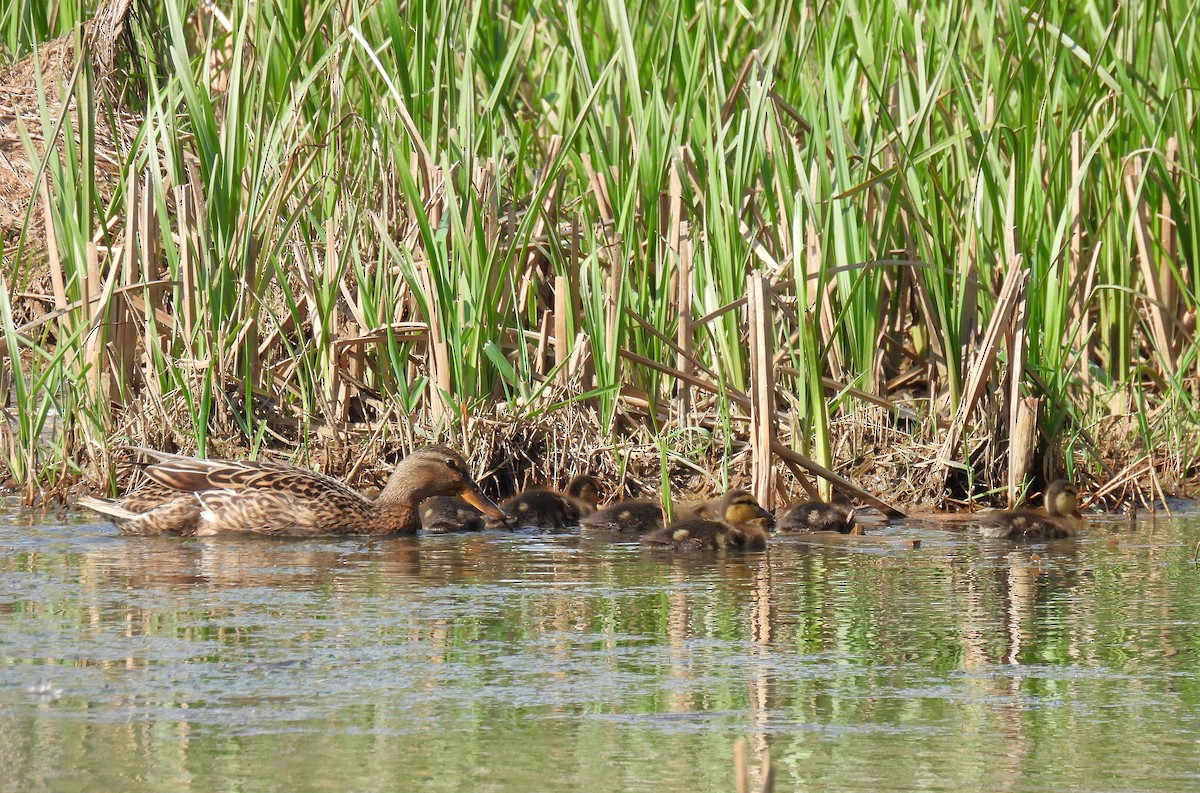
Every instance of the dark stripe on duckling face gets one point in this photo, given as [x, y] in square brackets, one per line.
[741, 507]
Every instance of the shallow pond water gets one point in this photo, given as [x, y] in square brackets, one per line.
[510, 662]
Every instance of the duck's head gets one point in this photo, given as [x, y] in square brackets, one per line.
[842, 501]
[739, 508]
[436, 471]
[584, 488]
[1062, 499]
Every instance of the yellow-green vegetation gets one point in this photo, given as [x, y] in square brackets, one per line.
[318, 225]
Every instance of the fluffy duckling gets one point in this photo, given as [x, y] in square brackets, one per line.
[1059, 518]
[741, 526]
[188, 496]
[803, 517]
[444, 514]
[547, 509]
[635, 517]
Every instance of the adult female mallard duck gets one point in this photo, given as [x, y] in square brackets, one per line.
[741, 526]
[548, 509]
[1059, 518]
[188, 496]
[803, 517]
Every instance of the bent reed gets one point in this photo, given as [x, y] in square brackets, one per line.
[943, 254]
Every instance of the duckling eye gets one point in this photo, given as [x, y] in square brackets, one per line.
[451, 463]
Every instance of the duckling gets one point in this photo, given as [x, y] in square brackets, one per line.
[189, 496]
[1059, 518]
[634, 517]
[802, 517]
[444, 514]
[741, 526]
[547, 509]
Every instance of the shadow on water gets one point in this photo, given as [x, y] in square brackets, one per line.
[518, 661]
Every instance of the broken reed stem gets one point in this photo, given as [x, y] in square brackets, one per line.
[681, 251]
[1075, 272]
[1022, 441]
[151, 295]
[762, 388]
[1018, 464]
[187, 294]
[1159, 294]
[981, 367]
[562, 345]
[124, 335]
[439, 354]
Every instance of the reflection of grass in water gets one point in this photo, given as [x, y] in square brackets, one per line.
[352, 169]
[489, 661]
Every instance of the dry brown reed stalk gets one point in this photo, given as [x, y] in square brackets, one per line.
[57, 68]
[1158, 281]
[762, 389]
[1011, 295]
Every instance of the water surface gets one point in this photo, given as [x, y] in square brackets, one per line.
[502, 662]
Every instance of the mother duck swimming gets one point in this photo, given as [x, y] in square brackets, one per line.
[193, 497]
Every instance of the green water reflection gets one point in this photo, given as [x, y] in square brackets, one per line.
[500, 663]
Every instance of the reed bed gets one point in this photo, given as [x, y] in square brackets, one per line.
[942, 253]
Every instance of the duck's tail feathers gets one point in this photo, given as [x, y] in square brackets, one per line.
[106, 506]
[156, 455]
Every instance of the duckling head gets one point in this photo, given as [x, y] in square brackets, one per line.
[1062, 498]
[739, 507]
[586, 489]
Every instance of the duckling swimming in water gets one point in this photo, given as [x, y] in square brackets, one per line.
[444, 514]
[1059, 518]
[802, 517]
[741, 526]
[634, 517]
[548, 509]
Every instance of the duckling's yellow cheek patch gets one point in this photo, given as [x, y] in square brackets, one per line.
[626, 515]
[680, 535]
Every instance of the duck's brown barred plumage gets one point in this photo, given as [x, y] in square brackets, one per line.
[190, 496]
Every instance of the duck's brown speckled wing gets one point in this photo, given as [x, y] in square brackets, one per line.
[149, 496]
[178, 516]
[280, 513]
[192, 475]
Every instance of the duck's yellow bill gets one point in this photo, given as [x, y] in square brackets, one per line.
[475, 497]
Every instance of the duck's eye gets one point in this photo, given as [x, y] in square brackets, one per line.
[451, 463]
